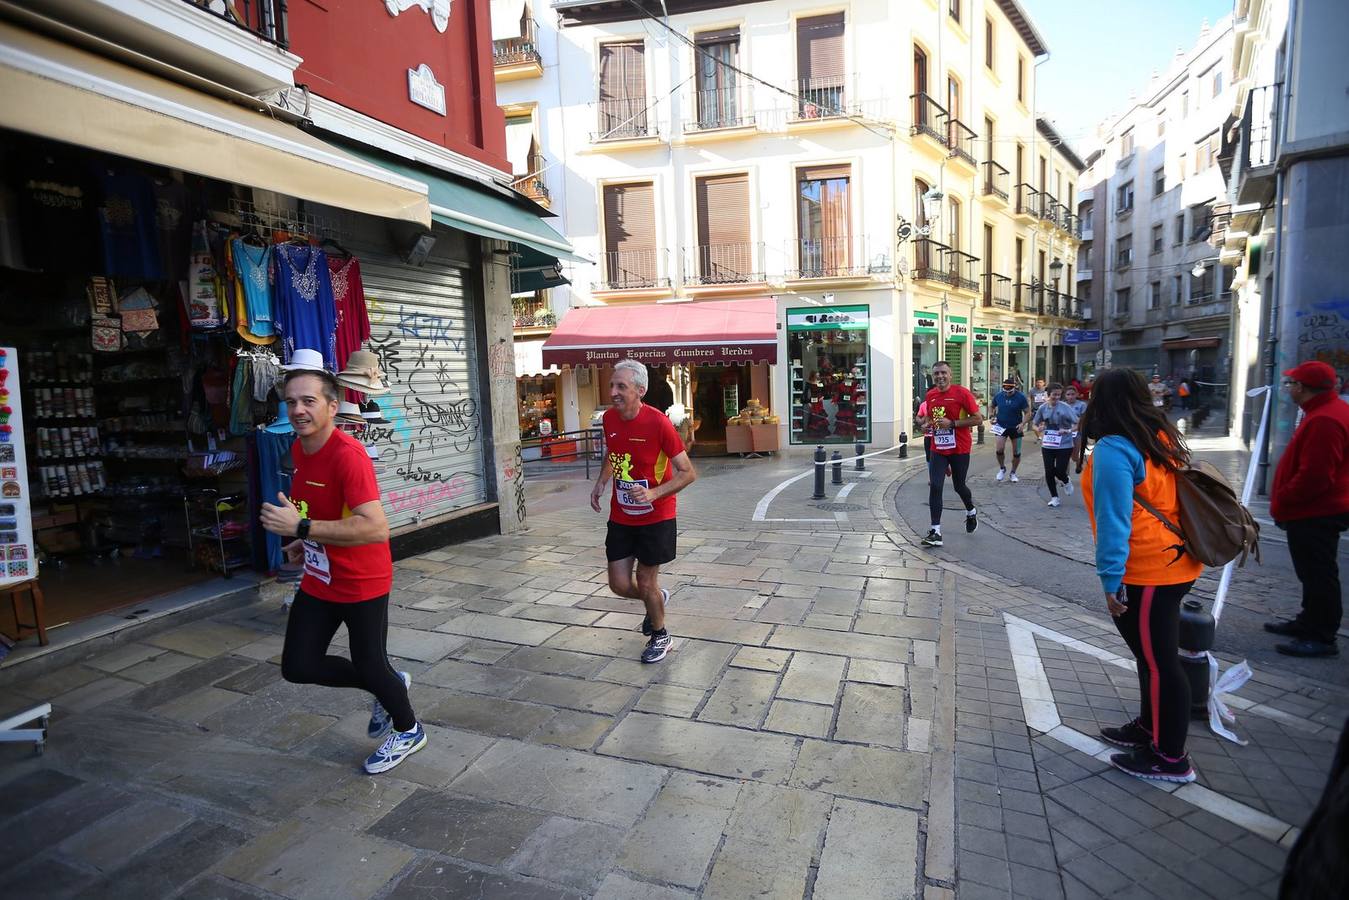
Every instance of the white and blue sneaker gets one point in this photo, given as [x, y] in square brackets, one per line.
[380, 720]
[398, 746]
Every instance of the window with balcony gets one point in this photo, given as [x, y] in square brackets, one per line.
[1122, 302]
[1179, 237]
[522, 150]
[1201, 222]
[956, 216]
[824, 221]
[514, 34]
[1177, 290]
[1157, 239]
[989, 56]
[1155, 295]
[1124, 198]
[819, 66]
[631, 257]
[1201, 287]
[717, 85]
[1159, 181]
[1124, 252]
[724, 254]
[1217, 82]
[623, 106]
[1126, 144]
[1206, 153]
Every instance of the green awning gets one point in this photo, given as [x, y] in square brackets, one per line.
[533, 271]
[479, 210]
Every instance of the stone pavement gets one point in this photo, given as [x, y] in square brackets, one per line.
[843, 716]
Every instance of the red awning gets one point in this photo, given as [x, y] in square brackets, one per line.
[708, 332]
[1192, 343]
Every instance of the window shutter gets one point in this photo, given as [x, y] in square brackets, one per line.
[723, 209]
[719, 36]
[819, 50]
[622, 71]
[630, 234]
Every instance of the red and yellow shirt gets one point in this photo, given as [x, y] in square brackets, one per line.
[953, 403]
[639, 453]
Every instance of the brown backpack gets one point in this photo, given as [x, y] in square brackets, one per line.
[1214, 527]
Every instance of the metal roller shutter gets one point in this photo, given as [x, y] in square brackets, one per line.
[955, 358]
[630, 235]
[421, 329]
[819, 50]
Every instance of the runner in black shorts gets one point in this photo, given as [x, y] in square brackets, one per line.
[648, 465]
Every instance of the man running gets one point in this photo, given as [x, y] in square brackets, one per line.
[648, 465]
[1072, 397]
[1010, 407]
[952, 412]
[342, 538]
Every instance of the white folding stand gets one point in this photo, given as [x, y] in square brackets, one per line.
[10, 733]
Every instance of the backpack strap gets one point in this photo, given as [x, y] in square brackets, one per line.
[1170, 526]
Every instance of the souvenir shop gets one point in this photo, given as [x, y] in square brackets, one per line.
[830, 359]
[149, 315]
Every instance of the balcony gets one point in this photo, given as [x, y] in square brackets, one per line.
[997, 291]
[717, 109]
[1124, 259]
[1084, 227]
[1257, 146]
[514, 58]
[1124, 209]
[625, 119]
[930, 118]
[960, 138]
[929, 261]
[531, 319]
[823, 258]
[821, 97]
[1030, 298]
[532, 186]
[635, 270]
[962, 270]
[712, 265]
[995, 181]
[1027, 201]
[1049, 209]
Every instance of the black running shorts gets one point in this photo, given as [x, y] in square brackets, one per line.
[652, 545]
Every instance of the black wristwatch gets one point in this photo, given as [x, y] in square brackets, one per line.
[302, 529]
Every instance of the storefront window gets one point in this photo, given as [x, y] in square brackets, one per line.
[995, 367]
[1018, 358]
[925, 354]
[829, 374]
[537, 395]
[979, 370]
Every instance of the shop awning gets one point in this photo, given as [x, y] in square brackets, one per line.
[1202, 343]
[708, 332]
[66, 94]
[529, 359]
[533, 271]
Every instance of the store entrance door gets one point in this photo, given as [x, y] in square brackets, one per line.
[719, 392]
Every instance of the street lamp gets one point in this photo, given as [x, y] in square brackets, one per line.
[1056, 267]
[932, 199]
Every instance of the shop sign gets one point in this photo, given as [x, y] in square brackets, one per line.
[827, 318]
[981, 336]
[957, 329]
[995, 337]
[438, 10]
[424, 90]
[925, 323]
[1018, 338]
[662, 355]
[1081, 336]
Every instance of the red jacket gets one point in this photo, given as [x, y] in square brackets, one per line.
[1312, 479]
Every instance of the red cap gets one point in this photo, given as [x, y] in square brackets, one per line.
[1313, 374]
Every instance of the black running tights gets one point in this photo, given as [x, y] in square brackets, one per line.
[305, 658]
[936, 476]
[1056, 467]
[1150, 626]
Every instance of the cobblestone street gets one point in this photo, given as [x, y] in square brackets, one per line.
[842, 716]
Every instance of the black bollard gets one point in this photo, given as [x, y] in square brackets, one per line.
[981, 435]
[903, 445]
[819, 474]
[838, 467]
[861, 464]
[1197, 629]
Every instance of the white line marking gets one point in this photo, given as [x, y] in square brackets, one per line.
[761, 509]
[845, 490]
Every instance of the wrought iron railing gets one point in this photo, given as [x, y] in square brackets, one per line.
[735, 263]
[995, 179]
[929, 261]
[830, 257]
[1027, 200]
[929, 118]
[997, 290]
[624, 118]
[263, 18]
[1260, 128]
[516, 50]
[635, 269]
[1029, 297]
[714, 108]
[963, 268]
[960, 138]
[822, 97]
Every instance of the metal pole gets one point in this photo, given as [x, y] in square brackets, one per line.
[838, 467]
[859, 448]
[1246, 490]
[819, 473]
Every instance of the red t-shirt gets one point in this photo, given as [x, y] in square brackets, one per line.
[949, 404]
[640, 451]
[326, 486]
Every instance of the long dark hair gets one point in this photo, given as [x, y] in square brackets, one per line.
[1121, 404]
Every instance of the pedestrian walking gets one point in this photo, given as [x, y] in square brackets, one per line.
[1310, 500]
[1010, 408]
[1073, 399]
[648, 466]
[1055, 423]
[341, 536]
[952, 412]
[1159, 391]
[1144, 574]
[1040, 396]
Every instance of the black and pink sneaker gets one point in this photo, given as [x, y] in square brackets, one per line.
[1148, 763]
[1132, 736]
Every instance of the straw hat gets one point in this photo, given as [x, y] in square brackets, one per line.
[348, 412]
[305, 360]
[362, 374]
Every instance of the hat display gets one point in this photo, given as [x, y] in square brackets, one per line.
[349, 413]
[1314, 374]
[305, 360]
[362, 374]
[372, 414]
[282, 424]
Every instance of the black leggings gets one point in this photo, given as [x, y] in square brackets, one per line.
[1150, 626]
[305, 658]
[936, 476]
[1056, 467]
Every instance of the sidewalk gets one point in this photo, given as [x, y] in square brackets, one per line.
[842, 716]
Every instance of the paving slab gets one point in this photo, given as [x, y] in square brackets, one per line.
[694, 663]
[501, 629]
[895, 777]
[741, 698]
[869, 851]
[489, 715]
[791, 717]
[618, 886]
[770, 841]
[204, 639]
[569, 728]
[109, 843]
[871, 671]
[297, 859]
[865, 646]
[436, 879]
[670, 700]
[360, 800]
[676, 839]
[423, 646]
[758, 658]
[468, 829]
[813, 678]
[447, 753]
[573, 693]
[701, 747]
[871, 714]
[163, 868]
[574, 853]
[551, 661]
[495, 681]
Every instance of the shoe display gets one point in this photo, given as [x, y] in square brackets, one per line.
[1286, 627]
[380, 720]
[1002, 473]
[971, 522]
[1013, 478]
[1147, 763]
[657, 647]
[398, 746]
[1132, 736]
[1054, 502]
[1306, 647]
[933, 538]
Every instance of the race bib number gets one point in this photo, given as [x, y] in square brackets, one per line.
[623, 493]
[1156, 401]
[1057, 440]
[998, 429]
[944, 439]
[316, 562]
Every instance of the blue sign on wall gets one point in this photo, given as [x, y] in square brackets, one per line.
[1081, 336]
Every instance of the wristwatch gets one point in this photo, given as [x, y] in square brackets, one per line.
[302, 529]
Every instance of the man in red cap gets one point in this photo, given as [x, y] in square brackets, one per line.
[1310, 501]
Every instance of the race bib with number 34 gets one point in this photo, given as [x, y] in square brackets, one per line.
[316, 562]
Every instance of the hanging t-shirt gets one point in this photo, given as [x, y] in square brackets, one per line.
[173, 227]
[640, 451]
[952, 404]
[56, 199]
[327, 486]
[126, 218]
[305, 314]
[253, 268]
[353, 319]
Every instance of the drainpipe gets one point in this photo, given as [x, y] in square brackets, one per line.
[1035, 232]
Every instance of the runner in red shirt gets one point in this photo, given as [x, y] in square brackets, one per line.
[648, 465]
[342, 536]
[952, 412]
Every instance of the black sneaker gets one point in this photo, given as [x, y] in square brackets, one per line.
[1128, 737]
[1147, 763]
[1307, 647]
[1286, 627]
[971, 523]
[933, 538]
[646, 620]
[657, 647]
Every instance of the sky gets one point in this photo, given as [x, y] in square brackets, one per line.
[1100, 52]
